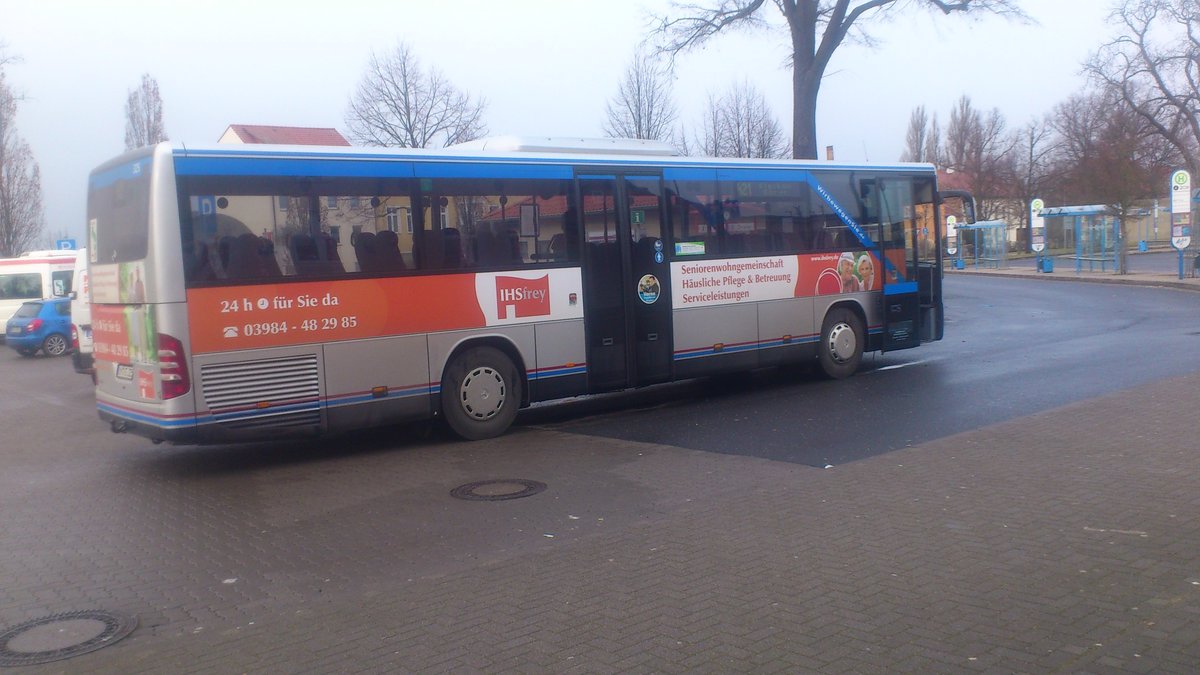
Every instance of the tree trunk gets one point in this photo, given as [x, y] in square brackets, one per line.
[805, 86]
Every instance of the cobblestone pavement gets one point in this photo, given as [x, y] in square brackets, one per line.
[1065, 541]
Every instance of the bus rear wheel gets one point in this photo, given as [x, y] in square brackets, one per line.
[481, 393]
[841, 347]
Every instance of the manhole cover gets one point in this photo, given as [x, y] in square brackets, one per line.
[61, 636]
[496, 490]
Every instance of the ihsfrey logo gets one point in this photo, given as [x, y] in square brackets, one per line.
[519, 298]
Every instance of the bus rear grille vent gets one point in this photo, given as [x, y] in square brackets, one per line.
[245, 385]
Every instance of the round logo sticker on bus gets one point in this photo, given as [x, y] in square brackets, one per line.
[649, 289]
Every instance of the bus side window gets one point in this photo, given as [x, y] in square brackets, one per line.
[489, 223]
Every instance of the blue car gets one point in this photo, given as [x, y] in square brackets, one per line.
[41, 324]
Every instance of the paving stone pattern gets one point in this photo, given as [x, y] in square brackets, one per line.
[1067, 541]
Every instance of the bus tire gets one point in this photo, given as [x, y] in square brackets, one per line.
[481, 393]
[55, 344]
[841, 346]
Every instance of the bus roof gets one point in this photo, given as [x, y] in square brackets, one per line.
[299, 159]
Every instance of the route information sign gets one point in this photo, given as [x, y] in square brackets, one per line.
[1037, 226]
[1181, 209]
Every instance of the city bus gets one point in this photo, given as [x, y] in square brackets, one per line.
[255, 291]
[35, 275]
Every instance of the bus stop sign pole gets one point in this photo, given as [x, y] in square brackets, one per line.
[1037, 230]
[1181, 213]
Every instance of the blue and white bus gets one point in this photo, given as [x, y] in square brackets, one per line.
[244, 291]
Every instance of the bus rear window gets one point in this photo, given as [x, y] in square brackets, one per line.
[119, 212]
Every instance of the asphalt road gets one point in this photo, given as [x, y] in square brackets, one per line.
[1012, 347]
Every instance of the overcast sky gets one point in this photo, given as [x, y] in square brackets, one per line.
[545, 67]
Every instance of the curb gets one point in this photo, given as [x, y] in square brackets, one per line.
[1124, 280]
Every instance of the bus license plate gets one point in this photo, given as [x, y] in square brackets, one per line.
[124, 372]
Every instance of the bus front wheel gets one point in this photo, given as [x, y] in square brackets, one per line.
[841, 347]
[480, 393]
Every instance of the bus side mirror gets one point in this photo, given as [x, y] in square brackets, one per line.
[73, 295]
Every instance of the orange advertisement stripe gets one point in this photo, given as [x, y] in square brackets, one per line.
[274, 315]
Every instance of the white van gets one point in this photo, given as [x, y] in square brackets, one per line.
[36, 275]
[81, 316]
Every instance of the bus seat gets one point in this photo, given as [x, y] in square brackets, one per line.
[268, 266]
[315, 256]
[304, 254]
[244, 258]
[486, 251]
[224, 251]
[509, 245]
[198, 265]
[452, 257]
[387, 252]
[327, 249]
[365, 250]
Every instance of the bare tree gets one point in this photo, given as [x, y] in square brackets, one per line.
[933, 142]
[680, 141]
[399, 105]
[708, 143]
[963, 135]
[643, 107]
[21, 219]
[1154, 68]
[1109, 154]
[916, 140]
[144, 115]
[740, 124]
[979, 147]
[816, 28]
[1033, 168]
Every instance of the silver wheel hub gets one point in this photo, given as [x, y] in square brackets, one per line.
[843, 343]
[482, 393]
[56, 345]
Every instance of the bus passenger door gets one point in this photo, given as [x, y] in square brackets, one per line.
[651, 277]
[626, 285]
[898, 240]
[929, 260]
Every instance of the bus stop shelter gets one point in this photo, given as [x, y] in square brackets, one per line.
[987, 241]
[1090, 230]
